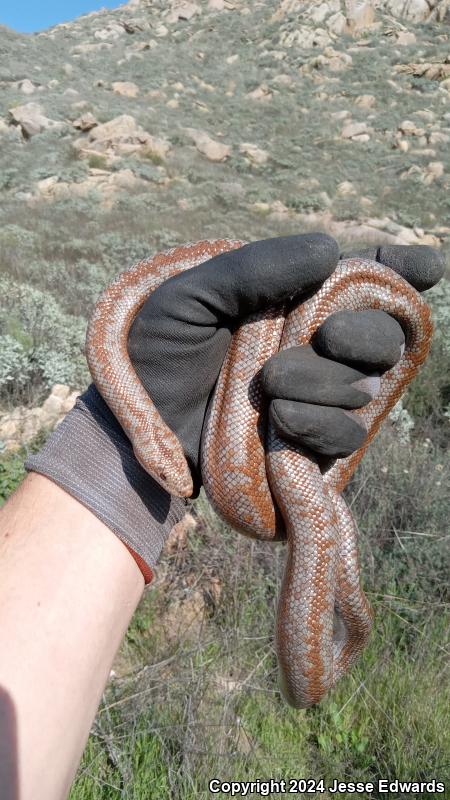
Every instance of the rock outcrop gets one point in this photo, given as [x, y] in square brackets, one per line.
[120, 136]
[20, 426]
[32, 119]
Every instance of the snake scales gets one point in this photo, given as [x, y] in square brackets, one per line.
[260, 484]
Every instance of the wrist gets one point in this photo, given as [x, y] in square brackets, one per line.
[90, 457]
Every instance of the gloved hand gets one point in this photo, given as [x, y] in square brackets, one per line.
[179, 339]
[177, 344]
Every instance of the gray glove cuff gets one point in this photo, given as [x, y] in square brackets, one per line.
[90, 457]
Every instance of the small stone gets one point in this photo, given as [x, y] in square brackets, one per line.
[182, 10]
[319, 12]
[359, 15]
[60, 390]
[406, 37]
[354, 129]
[45, 186]
[161, 30]
[433, 171]
[52, 406]
[86, 122]
[425, 113]
[255, 153]
[113, 31]
[438, 137]
[125, 88]
[339, 115]
[337, 23]
[12, 446]
[261, 92]
[178, 536]
[283, 80]
[409, 128]
[30, 428]
[365, 101]
[69, 402]
[278, 209]
[124, 179]
[305, 37]
[415, 10]
[27, 87]
[262, 207]
[8, 429]
[345, 188]
[214, 151]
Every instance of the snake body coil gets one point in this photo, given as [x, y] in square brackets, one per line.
[259, 483]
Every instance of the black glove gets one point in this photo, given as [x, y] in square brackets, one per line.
[180, 337]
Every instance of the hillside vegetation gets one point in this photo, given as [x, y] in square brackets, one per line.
[127, 132]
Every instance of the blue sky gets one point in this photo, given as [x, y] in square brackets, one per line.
[27, 16]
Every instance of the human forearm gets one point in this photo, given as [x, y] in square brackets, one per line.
[68, 589]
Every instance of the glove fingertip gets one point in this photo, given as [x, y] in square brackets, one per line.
[422, 266]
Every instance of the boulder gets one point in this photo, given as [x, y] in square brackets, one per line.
[409, 128]
[27, 87]
[181, 10]
[254, 153]
[261, 92]
[20, 426]
[359, 15]
[337, 23]
[354, 130]
[108, 184]
[112, 32]
[86, 122]
[120, 136]
[365, 101]
[214, 151]
[32, 119]
[406, 38]
[46, 187]
[305, 37]
[415, 10]
[334, 60]
[318, 13]
[433, 171]
[125, 88]
[61, 391]
[346, 188]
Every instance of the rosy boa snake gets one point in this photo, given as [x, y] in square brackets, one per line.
[260, 484]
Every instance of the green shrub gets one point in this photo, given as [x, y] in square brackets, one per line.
[15, 364]
[97, 162]
[54, 354]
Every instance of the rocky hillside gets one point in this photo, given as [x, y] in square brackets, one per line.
[128, 131]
